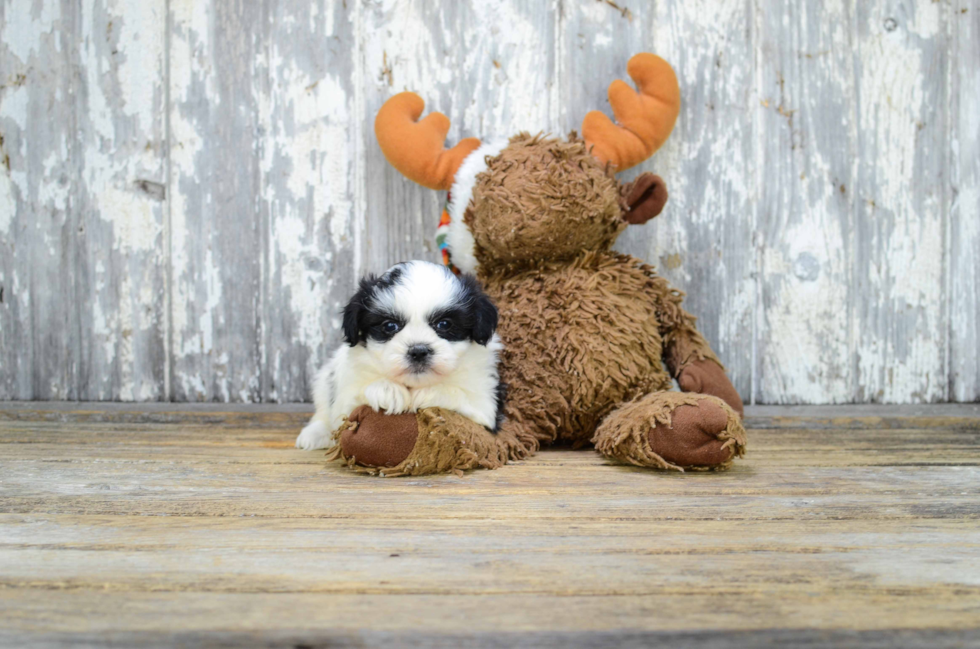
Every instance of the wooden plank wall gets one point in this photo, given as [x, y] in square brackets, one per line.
[189, 189]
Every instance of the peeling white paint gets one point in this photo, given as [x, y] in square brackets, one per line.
[506, 68]
[15, 106]
[141, 72]
[120, 94]
[8, 204]
[136, 224]
[901, 357]
[24, 31]
[188, 57]
[811, 219]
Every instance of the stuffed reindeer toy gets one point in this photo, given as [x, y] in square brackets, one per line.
[591, 337]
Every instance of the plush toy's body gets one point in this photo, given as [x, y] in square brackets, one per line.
[576, 346]
[573, 350]
[592, 337]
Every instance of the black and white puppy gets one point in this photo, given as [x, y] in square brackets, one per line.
[417, 337]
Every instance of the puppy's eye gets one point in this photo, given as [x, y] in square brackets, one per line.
[444, 325]
[390, 327]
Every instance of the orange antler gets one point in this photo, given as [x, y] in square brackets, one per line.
[647, 116]
[414, 147]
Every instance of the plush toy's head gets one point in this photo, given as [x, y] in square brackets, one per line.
[533, 197]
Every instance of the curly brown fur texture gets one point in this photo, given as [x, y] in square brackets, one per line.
[447, 442]
[587, 331]
[543, 199]
[584, 336]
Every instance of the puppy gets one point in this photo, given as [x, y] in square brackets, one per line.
[417, 337]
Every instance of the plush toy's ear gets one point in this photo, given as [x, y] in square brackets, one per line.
[642, 199]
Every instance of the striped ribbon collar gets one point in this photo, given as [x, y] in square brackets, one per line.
[442, 236]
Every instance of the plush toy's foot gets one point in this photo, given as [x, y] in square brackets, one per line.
[432, 440]
[673, 430]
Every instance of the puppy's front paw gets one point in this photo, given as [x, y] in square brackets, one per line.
[390, 397]
[425, 398]
[313, 436]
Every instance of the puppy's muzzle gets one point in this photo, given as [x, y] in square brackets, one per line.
[420, 357]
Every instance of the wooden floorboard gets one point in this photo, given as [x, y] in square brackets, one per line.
[162, 525]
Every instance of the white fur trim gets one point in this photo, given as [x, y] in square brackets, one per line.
[462, 247]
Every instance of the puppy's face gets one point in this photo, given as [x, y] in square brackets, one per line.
[417, 320]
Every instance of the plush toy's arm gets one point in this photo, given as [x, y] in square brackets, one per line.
[683, 346]
[696, 368]
[688, 356]
[432, 440]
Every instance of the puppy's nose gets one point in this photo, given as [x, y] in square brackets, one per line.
[419, 353]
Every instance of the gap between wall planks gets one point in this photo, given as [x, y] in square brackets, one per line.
[189, 190]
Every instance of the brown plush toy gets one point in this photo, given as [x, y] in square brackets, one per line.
[592, 337]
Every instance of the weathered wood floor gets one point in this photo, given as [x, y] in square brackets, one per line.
[173, 525]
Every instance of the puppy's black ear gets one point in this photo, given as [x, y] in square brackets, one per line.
[486, 320]
[352, 315]
[355, 309]
[483, 310]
